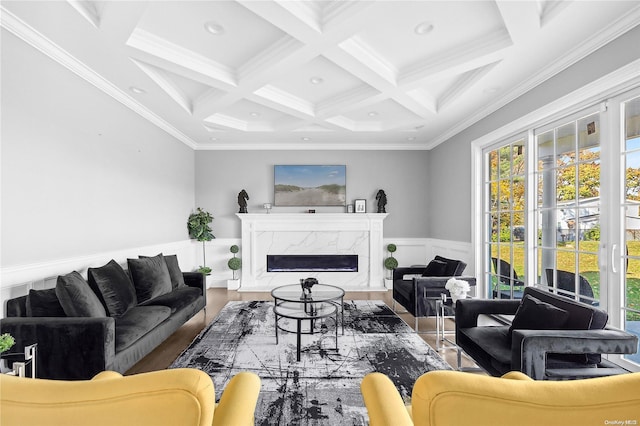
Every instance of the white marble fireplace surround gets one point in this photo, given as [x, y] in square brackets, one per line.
[312, 233]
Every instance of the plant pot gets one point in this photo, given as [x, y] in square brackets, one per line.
[388, 283]
[233, 284]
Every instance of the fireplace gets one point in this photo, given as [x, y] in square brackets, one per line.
[312, 263]
[341, 249]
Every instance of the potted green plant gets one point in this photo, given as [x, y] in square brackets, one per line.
[234, 264]
[6, 342]
[390, 263]
[200, 230]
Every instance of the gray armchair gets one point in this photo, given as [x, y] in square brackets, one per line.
[415, 288]
[563, 338]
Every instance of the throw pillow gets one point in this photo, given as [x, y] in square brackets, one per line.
[44, 303]
[177, 279]
[115, 287]
[77, 298]
[150, 277]
[452, 266]
[534, 314]
[435, 268]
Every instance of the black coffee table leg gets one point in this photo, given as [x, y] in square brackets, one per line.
[299, 334]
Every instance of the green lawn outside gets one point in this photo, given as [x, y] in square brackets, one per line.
[589, 269]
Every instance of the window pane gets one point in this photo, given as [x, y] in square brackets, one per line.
[566, 226]
[493, 165]
[588, 268]
[589, 179]
[632, 288]
[566, 184]
[518, 158]
[566, 145]
[504, 165]
[493, 196]
[589, 137]
[632, 122]
[633, 176]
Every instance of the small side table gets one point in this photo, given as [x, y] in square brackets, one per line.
[23, 361]
[444, 309]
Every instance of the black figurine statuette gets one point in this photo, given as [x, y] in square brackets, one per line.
[306, 285]
[242, 201]
[382, 201]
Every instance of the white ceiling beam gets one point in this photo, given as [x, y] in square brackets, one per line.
[159, 47]
[165, 82]
[464, 83]
[521, 19]
[470, 56]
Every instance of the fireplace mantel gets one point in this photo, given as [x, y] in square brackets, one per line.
[312, 233]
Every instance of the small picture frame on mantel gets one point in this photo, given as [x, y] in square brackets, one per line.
[350, 208]
[360, 206]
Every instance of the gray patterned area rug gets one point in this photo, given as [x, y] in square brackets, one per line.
[324, 387]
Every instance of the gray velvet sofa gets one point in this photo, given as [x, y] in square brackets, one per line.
[108, 322]
[551, 337]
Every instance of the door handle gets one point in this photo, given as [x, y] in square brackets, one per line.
[613, 258]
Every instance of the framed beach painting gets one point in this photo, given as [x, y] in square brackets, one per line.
[310, 185]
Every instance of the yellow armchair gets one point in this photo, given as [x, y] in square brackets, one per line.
[458, 398]
[174, 397]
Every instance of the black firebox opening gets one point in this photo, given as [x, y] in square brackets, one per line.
[312, 263]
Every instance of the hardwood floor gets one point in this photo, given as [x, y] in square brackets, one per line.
[169, 350]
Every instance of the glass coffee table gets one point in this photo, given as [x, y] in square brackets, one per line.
[301, 312]
[319, 293]
[321, 302]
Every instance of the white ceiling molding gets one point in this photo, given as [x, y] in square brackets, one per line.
[605, 87]
[88, 9]
[164, 81]
[364, 57]
[32, 37]
[590, 45]
[170, 52]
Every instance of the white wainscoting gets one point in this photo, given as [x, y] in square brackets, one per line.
[419, 251]
[218, 254]
[18, 280]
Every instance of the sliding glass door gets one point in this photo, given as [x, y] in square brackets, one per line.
[568, 210]
[505, 215]
[560, 208]
[628, 255]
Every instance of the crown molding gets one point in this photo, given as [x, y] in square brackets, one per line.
[29, 35]
[612, 84]
[312, 147]
[589, 46]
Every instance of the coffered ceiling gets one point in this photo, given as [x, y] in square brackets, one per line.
[317, 74]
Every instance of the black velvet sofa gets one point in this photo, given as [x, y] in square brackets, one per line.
[415, 287]
[550, 337]
[108, 322]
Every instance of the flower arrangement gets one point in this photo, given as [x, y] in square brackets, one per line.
[457, 287]
[6, 341]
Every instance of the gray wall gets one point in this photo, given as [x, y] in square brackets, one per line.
[81, 173]
[450, 213]
[220, 175]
